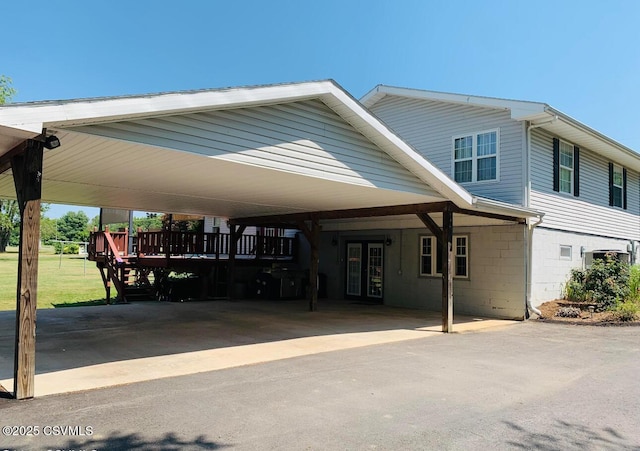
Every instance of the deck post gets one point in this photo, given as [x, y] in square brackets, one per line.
[27, 176]
[447, 270]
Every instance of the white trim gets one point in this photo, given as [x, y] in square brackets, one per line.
[563, 125]
[62, 114]
[571, 169]
[565, 247]
[434, 256]
[518, 107]
[621, 186]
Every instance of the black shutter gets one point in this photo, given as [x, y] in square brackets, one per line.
[556, 164]
[624, 188]
[611, 184]
[576, 171]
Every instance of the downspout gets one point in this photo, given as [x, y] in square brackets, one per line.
[529, 256]
[530, 227]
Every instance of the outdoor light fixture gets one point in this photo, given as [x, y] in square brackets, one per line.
[51, 142]
[388, 241]
[334, 241]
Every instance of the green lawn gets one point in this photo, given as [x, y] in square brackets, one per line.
[61, 283]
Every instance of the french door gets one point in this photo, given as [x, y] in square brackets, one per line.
[365, 270]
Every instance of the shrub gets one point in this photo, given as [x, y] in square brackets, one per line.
[627, 311]
[574, 290]
[70, 248]
[605, 283]
[634, 283]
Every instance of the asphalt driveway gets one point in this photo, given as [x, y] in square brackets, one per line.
[526, 386]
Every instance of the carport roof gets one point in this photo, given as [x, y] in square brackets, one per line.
[138, 176]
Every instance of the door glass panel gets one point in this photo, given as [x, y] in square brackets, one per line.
[374, 271]
[354, 269]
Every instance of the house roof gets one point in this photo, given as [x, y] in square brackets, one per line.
[538, 114]
[129, 184]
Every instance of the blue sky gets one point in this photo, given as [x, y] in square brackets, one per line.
[581, 57]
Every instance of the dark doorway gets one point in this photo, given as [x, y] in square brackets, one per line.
[365, 270]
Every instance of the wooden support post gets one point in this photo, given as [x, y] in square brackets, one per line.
[235, 233]
[447, 271]
[444, 236]
[313, 237]
[27, 176]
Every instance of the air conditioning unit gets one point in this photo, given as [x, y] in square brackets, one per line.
[590, 256]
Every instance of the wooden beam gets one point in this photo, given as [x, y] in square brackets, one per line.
[306, 231]
[489, 215]
[392, 210]
[431, 225]
[27, 176]
[5, 159]
[447, 271]
[289, 220]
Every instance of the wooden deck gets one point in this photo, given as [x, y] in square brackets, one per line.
[156, 254]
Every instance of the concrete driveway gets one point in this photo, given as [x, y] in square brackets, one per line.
[527, 386]
[93, 347]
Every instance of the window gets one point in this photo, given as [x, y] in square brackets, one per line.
[475, 157]
[566, 168]
[617, 186]
[566, 165]
[565, 252]
[431, 256]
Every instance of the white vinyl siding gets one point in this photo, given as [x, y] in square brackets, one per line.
[590, 213]
[305, 138]
[430, 125]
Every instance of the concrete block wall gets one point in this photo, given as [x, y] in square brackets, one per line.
[497, 269]
[550, 271]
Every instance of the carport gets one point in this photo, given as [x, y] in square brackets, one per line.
[295, 155]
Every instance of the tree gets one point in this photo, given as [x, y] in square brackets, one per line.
[73, 226]
[6, 90]
[9, 211]
[9, 221]
[48, 230]
[150, 221]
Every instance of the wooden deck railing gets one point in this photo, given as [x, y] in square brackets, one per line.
[212, 244]
[189, 243]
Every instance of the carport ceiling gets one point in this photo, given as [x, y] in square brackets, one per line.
[94, 171]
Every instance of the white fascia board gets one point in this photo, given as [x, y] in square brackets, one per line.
[502, 208]
[396, 148]
[625, 154]
[35, 116]
[518, 108]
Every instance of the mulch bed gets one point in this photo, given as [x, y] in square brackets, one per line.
[549, 310]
